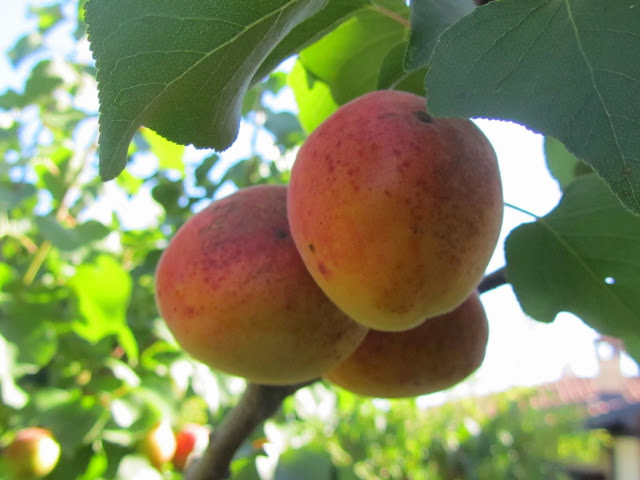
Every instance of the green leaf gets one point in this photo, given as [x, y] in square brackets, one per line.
[72, 417]
[30, 327]
[14, 193]
[286, 129]
[394, 76]
[429, 18]
[169, 154]
[180, 68]
[333, 14]
[308, 463]
[583, 257]
[349, 58]
[68, 239]
[565, 68]
[48, 16]
[103, 289]
[25, 46]
[313, 97]
[563, 166]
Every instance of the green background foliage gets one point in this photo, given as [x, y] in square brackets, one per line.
[82, 349]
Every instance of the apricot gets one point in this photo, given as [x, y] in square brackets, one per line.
[33, 453]
[433, 356]
[395, 213]
[159, 445]
[232, 288]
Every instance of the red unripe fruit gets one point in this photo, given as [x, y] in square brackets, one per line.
[33, 453]
[190, 441]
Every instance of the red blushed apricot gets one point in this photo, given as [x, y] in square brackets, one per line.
[433, 356]
[395, 213]
[233, 290]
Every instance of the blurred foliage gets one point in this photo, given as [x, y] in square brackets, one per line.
[83, 351]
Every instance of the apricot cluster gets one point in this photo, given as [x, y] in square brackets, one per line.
[363, 269]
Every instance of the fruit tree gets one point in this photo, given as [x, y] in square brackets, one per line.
[226, 227]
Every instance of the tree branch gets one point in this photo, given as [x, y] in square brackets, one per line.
[493, 280]
[257, 404]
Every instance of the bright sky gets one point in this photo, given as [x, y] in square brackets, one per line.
[521, 351]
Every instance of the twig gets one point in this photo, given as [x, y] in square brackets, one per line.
[257, 404]
[493, 280]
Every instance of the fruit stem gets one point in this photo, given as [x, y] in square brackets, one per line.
[257, 404]
[493, 280]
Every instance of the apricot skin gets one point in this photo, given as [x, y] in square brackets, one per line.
[433, 356]
[233, 290]
[395, 214]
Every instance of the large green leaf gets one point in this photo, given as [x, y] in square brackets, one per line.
[336, 12]
[567, 68]
[350, 57]
[180, 68]
[583, 257]
[429, 18]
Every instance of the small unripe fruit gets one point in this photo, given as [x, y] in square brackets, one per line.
[433, 356]
[33, 453]
[235, 293]
[159, 445]
[191, 441]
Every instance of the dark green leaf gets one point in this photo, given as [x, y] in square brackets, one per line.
[180, 68]
[70, 238]
[563, 166]
[565, 68]
[429, 18]
[583, 257]
[349, 58]
[333, 14]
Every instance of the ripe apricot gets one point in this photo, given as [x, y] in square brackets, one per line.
[395, 213]
[433, 356]
[232, 288]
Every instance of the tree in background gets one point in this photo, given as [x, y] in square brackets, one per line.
[83, 352]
